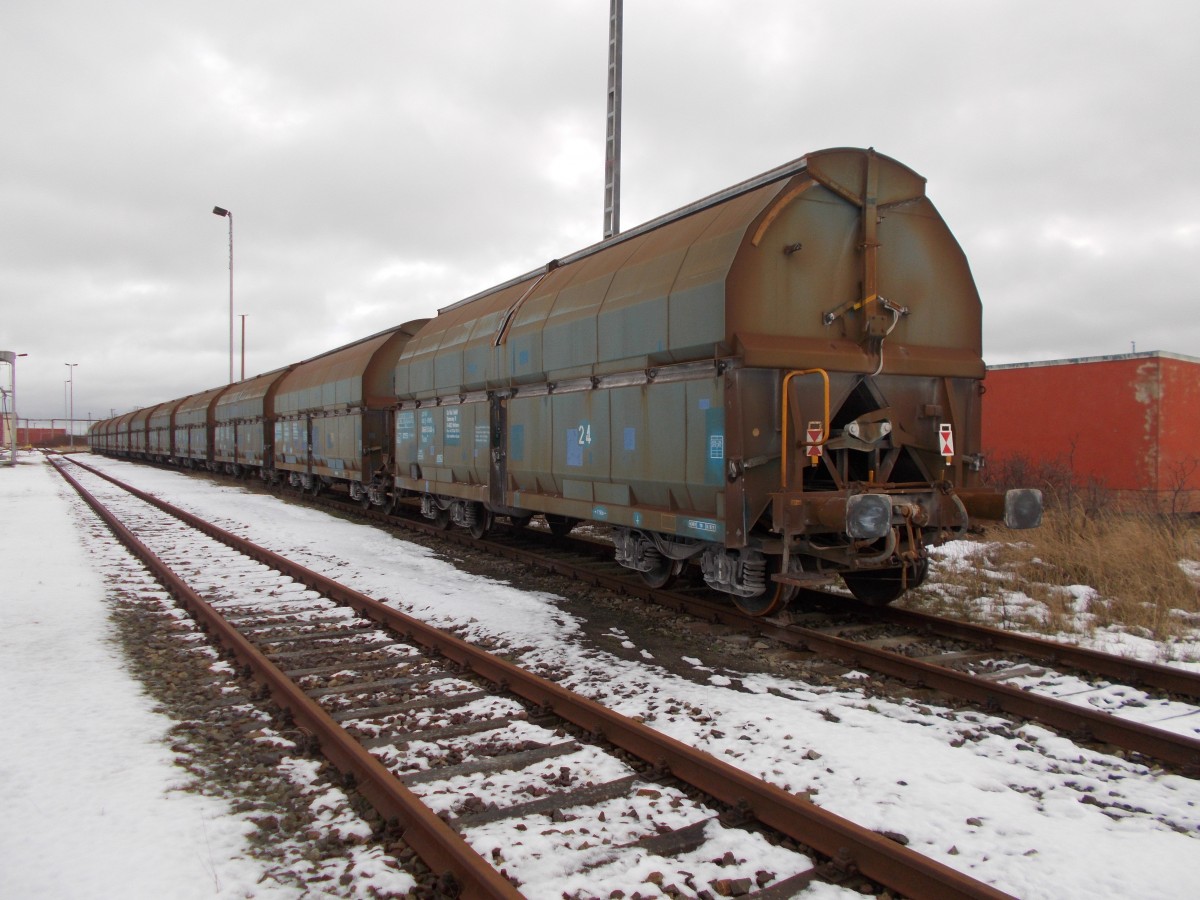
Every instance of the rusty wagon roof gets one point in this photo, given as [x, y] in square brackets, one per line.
[351, 375]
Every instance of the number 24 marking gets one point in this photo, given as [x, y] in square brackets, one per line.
[585, 434]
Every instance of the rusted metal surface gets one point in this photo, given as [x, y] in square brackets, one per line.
[139, 426]
[1068, 718]
[1071, 719]
[98, 436]
[121, 438]
[874, 856]
[243, 418]
[332, 410]
[194, 426]
[160, 430]
[357, 374]
[1123, 668]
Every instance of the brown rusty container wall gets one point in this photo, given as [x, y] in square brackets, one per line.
[786, 302]
[444, 354]
[107, 432]
[161, 430]
[244, 417]
[332, 410]
[97, 436]
[194, 426]
[138, 428]
[122, 428]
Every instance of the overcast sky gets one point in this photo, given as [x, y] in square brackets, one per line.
[383, 159]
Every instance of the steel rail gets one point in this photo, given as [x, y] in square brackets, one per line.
[438, 845]
[854, 848]
[1131, 671]
[1079, 722]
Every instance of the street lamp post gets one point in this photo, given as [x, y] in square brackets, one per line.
[10, 357]
[243, 315]
[71, 414]
[219, 211]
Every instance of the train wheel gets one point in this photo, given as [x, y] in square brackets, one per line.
[773, 600]
[560, 526]
[881, 586]
[664, 573]
[483, 522]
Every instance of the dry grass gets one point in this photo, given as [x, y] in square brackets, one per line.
[1132, 562]
[1134, 566]
[1091, 566]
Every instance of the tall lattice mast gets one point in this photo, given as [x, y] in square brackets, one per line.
[612, 154]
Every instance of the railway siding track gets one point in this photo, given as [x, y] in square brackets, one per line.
[940, 671]
[404, 724]
[857, 642]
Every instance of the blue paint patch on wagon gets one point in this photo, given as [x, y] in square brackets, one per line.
[574, 448]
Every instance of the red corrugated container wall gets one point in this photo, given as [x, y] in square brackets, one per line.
[46, 437]
[1129, 423]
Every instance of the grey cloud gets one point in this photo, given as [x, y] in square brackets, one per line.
[383, 160]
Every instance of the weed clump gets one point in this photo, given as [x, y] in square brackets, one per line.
[1095, 563]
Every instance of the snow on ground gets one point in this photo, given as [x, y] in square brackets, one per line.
[112, 822]
[1021, 808]
[1011, 606]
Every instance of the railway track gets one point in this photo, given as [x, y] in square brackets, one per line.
[1141, 708]
[493, 775]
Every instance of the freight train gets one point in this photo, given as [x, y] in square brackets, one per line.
[778, 384]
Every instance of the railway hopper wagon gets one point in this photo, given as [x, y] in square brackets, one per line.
[139, 432]
[195, 429]
[780, 383]
[160, 431]
[98, 436]
[332, 425]
[244, 429]
[119, 437]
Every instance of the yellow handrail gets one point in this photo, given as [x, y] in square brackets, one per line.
[824, 422]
